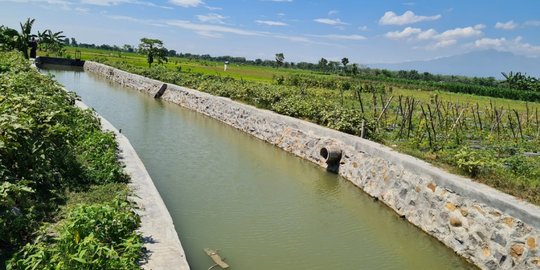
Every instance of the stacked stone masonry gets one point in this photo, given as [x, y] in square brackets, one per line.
[491, 229]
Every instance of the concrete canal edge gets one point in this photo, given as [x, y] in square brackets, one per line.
[491, 229]
[161, 241]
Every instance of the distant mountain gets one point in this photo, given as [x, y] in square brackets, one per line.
[474, 64]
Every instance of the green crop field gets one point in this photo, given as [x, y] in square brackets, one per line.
[492, 140]
[237, 71]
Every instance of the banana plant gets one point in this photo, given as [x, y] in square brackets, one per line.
[51, 42]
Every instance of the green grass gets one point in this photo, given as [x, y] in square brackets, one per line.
[237, 71]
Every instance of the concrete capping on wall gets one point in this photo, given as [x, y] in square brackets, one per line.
[491, 229]
[161, 242]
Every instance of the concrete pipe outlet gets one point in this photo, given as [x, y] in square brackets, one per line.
[331, 154]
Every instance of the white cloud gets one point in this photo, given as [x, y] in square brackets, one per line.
[515, 45]
[426, 35]
[207, 29]
[437, 40]
[341, 37]
[532, 23]
[458, 33]
[363, 28]
[186, 3]
[490, 42]
[218, 31]
[443, 44]
[509, 25]
[330, 21]
[119, 2]
[212, 18]
[124, 18]
[391, 18]
[332, 12]
[213, 8]
[406, 33]
[64, 5]
[104, 2]
[271, 23]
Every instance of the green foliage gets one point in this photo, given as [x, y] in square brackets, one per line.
[97, 236]
[473, 162]
[51, 42]
[47, 146]
[279, 59]
[153, 48]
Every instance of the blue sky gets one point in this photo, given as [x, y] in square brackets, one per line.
[378, 31]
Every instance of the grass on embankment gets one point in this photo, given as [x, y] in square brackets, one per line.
[63, 193]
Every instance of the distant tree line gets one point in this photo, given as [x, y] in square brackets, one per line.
[512, 80]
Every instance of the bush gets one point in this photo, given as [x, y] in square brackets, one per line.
[97, 236]
[47, 146]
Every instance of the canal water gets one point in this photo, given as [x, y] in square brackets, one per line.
[261, 207]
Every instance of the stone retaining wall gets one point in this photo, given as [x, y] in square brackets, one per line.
[489, 228]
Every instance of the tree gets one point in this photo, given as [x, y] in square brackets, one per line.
[51, 42]
[354, 69]
[74, 42]
[127, 48]
[345, 61]
[24, 36]
[279, 59]
[153, 48]
[323, 63]
[8, 38]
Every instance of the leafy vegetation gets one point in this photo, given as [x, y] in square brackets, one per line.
[47, 148]
[49, 41]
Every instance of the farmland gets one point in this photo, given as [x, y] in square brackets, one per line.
[491, 140]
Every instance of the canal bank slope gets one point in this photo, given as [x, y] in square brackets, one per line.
[162, 246]
[488, 227]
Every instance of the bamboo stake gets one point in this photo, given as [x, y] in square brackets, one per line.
[537, 125]
[432, 124]
[479, 118]
[427, 127]
[511, 126]
[384, 109]
[519, 124]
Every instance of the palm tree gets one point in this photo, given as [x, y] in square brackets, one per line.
[51, 42]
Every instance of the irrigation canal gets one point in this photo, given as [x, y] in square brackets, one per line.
[262, 207]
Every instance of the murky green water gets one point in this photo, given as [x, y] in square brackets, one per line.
[262, 207]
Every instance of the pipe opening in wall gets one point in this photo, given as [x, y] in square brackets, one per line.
[331, 154]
